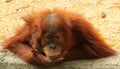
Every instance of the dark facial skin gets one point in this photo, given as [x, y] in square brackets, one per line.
[53, 37]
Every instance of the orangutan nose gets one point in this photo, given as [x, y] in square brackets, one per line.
[52, 46]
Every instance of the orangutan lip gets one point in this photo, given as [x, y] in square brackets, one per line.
[58, 56]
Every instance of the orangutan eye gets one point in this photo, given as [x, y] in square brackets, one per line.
[57, 38]
[49, 38]
[61, 29]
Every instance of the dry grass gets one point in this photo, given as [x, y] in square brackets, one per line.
[104, 14]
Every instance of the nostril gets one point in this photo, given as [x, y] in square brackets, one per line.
[52, 47]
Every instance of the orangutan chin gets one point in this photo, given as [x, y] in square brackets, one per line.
[49, 37]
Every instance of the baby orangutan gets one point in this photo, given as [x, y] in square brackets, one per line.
[49, 37]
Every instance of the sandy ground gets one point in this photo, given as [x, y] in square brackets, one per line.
[103, 14]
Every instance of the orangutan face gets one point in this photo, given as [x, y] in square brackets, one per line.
[53, 36]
